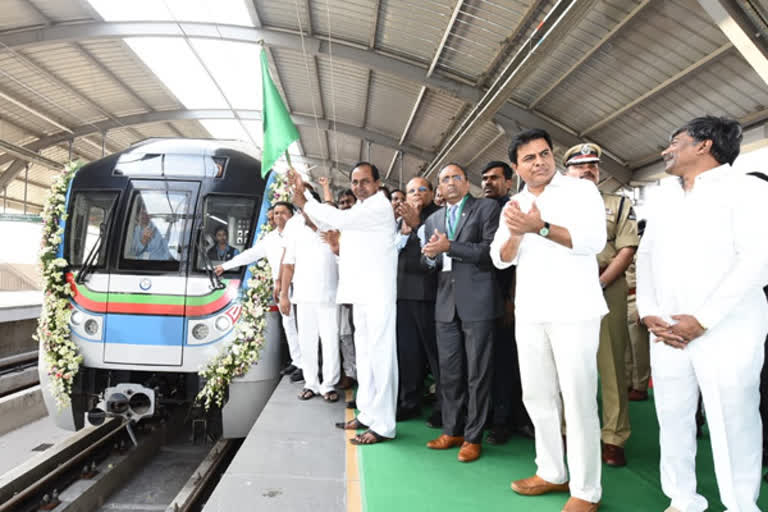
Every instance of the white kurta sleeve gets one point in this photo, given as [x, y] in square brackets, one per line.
[499, 239]
[586, 225]
[369, 214]
[247, 257]
[750, 265]
[647, 302]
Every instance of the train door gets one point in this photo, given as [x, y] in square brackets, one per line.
[146, 299]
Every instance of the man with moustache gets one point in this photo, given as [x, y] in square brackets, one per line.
[583, 161]
[509, 413]
[552, 231]
[367, 280]
[416, 291]
[701, 266]
[467, 305]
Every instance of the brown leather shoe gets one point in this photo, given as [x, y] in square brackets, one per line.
[579, 505]
[469, 452]
[445, 441]
[535, 485]
[636, 395]
[614, 455]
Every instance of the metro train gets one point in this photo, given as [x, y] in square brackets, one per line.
[148, 311]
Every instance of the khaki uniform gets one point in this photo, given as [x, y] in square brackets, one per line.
[638, 353]
[614, 336]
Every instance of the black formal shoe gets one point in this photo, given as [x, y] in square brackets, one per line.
[297, 376]
[499, 434]
[526, 431]
[352, 404]
[408, 413]
[435, 420]
[288, 369]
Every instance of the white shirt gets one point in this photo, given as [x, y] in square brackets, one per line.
[270, 247]
[367, 254]
[555, 283]
[705, 252]
[315, 274]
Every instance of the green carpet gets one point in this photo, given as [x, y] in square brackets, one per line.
[404, 475]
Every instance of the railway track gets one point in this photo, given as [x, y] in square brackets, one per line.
[97, 466]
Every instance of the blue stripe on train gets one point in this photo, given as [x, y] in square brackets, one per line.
[145, 330]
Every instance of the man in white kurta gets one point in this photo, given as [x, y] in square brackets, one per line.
[367, 280]
[701, 266]
[311, 265]
[271, 246]
[552, 231]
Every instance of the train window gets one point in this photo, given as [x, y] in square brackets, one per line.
[89, 215]
[226, 227]
[156, 227]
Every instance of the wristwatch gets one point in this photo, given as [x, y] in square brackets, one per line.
[545, 230]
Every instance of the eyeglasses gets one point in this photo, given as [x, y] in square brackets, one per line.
[447, 179]
[420, 189]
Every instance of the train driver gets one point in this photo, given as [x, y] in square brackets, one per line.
[147, 243]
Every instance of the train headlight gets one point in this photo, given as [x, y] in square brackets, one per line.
[77, 318]
[200, 331]
[222, 323]
[91, 327]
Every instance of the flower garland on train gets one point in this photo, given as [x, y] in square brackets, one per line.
[244, 350]
[60, 352]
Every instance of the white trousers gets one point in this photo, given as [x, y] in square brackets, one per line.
[560, 360]
[292, 336]
[376, 353]
[725, 365]
[319, 320]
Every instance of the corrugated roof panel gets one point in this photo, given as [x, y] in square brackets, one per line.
[412, 166]
[390, 104]
[413, 29]
[658, 44]
[284, 14]
[575, 42]
[345, 88]
[58, 10]
[17, 124]
[123, 137]
[496, 151]
[381, 157]
[478, 35]
[344, 148]
[191, 129]
[313, 141]
[129, 69]
[471, 145]
[350, 20]
[18, 13]
[299, 79]
[435, 117]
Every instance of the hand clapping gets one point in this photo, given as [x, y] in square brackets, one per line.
[520, 223]
[437, 244]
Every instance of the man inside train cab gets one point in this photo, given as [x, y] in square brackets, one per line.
[147, 243]
[583, 161]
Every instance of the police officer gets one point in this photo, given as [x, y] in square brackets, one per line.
[582, 161]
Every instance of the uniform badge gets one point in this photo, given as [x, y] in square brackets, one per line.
[585, 149]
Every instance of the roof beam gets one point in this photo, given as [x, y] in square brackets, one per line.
[187, 115]
[728, 15]
[629, 17]
[10, 174]
[444, 39]
[374, 24]
[414, 110]
[669, 82]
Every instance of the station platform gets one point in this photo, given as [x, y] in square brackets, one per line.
[294, 459]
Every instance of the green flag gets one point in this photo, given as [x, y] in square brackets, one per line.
[279, 131]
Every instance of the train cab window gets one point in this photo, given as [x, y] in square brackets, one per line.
[226, 228]
[90, 215]
[156, 229]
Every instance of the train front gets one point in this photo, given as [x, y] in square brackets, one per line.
[144, 229]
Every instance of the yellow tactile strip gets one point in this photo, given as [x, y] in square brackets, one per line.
[354, 495]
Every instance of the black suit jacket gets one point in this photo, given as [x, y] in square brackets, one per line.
[470, 290]
[414, 282]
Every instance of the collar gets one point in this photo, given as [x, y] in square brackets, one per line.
[556, 181]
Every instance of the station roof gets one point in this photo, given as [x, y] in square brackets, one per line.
[408, 85]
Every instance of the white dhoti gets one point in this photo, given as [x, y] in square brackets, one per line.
[725, 365]
[292, 336]
[560, 359]
[376, 353]
[319, 320]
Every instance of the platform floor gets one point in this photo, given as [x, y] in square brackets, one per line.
[29, 441]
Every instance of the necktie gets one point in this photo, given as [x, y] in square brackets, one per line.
[452, 210]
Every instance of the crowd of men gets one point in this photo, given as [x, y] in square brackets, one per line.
[515, 302]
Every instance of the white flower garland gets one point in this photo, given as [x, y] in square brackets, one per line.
[60, 352]
[244, 351]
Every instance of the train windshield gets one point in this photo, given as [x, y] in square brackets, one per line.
[89, 216]
[156, 227]
[226, 227]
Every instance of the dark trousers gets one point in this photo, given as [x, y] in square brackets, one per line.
[416, 347]
[508, 408]
[465, 350]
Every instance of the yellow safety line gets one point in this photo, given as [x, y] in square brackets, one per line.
[354, 496]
